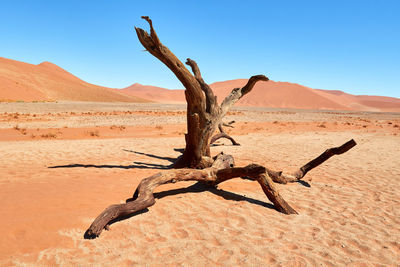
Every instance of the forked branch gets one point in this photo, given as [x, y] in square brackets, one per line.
[154, 46]
[280, 177]
[223, 134]
[238, 93]
[211, 99]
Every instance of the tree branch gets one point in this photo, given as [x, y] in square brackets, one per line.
[238, 93]
[153, 34]
[223, 135]
[228, 124]
[154, 46]
[220, 171]
[273, 195]
[282, 178]
[211, 99]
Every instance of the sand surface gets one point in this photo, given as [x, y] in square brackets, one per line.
[61, 164]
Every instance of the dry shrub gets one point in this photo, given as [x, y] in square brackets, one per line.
[21, 130]
[49, 135]
[94, 133]
[121, 127]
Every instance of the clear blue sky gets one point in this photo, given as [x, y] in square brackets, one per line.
[345, 45]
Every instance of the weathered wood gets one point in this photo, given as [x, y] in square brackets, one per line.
[273, 195]
[220, 171]
[223, 134]
[203, 112]
[238, 93]
[280, 177]
[211, 99]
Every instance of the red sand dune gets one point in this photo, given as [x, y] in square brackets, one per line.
[278, 95]
[48, 82]
[362, 102]
[154, 93]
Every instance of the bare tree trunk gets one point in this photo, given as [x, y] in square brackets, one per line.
[203, 112]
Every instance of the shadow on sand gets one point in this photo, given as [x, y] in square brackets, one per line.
[136, 165]
[195, 188]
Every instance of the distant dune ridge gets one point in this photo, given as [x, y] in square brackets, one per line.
[47, 81]
[278, 95]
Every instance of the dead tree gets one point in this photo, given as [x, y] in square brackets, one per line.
[220, 171]
[203, 116]
[203, 112]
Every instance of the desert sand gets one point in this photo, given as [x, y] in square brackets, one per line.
[63, 163]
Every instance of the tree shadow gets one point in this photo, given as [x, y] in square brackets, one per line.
[195, 188]
[151, 155]
[304, 183]
[137, 165]
[86, 235]
[202, 187]
[180, 150]
[222, 144]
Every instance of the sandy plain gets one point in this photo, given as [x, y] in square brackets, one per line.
[62, 163]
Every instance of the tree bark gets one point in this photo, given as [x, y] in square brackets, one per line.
[203, 112]
[280, 177]
[223, 134]
[220, 171]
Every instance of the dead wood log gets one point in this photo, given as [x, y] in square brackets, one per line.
[280, 177]
[220, 171]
